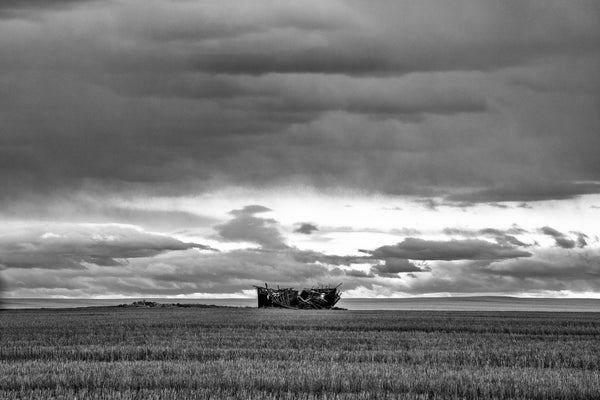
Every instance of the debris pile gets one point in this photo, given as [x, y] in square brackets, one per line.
[141, 303]
[153, 304]
[313, 298]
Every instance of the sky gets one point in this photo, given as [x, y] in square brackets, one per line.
[401, 148]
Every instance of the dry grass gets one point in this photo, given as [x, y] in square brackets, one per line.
[106, 353]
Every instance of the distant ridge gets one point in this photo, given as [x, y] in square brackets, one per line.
[458, 303]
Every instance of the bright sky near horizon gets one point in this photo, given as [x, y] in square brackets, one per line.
[402, 148]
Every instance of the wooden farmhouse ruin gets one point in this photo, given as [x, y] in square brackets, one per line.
[317, 299]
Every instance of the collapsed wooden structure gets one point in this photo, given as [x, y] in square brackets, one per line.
[313, 298]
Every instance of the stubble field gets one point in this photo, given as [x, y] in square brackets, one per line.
[200, 353]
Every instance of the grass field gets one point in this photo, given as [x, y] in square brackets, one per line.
[178, 353]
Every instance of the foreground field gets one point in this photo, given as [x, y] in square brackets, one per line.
[177, 353]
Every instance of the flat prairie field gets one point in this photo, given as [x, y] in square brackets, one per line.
[245, 353]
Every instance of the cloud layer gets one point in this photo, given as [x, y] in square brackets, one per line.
[392, 97]
[246, 227]
[471, 249]
[109, 259]
[71, 246]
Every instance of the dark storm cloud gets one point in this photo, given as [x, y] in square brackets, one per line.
[75, 208]
[464, 35]
[238, 265]
[310, 256]
[393, 266]
[581, 265]
[307, 95]
[24, 8]
[250, 210]
[68, 246]
[184, 272]
[355, 273]
[394, 97]
[246, 227]
[561, 239]
[530, 192]
[581, 239]
[36, 4]
[429, 204]
[441, 93]
[470, 249]
[502, 237]
[547, 270]
[187, 272]
[433, 204]
[306, 228]
[161, 219]
[516, 230]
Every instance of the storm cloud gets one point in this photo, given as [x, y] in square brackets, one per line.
[504, 237]
[189, 96]
[393, 266]
[471, 249]
[246, 227]
[530, 192]
[563, 240]
[306, 228]
[583, 266]
[61, 246]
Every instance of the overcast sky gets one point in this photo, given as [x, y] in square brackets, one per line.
[402, 148]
